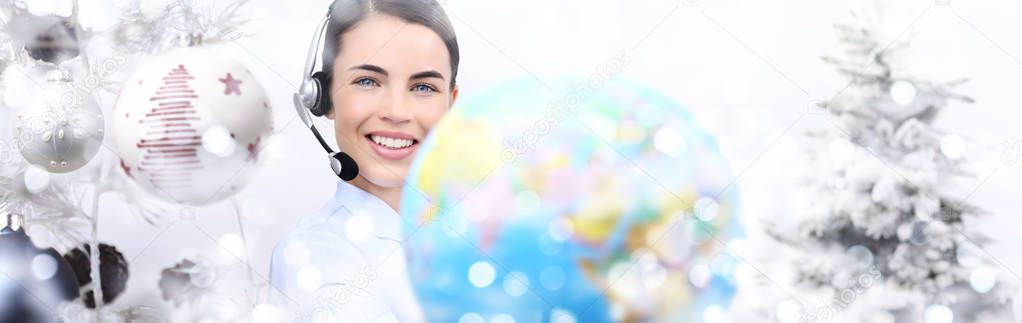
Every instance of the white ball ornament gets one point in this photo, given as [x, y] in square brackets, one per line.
[61, 130]
[187, 123]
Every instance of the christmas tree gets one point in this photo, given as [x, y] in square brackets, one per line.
[62, 209]
[888, 235]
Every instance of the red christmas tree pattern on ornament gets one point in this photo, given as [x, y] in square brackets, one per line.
[170, 144]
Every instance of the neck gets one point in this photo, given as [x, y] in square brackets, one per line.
[389, 195]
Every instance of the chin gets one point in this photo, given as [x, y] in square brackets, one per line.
[386, 177]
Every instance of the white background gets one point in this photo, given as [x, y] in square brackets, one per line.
[747, 69]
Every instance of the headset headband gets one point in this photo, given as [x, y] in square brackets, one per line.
[310, 96]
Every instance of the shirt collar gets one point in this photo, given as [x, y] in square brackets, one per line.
[387, 223]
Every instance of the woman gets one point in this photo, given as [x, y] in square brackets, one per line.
[391, 67]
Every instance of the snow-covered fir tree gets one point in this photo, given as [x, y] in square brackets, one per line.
[889, 233]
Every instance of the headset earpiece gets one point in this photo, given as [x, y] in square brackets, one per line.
[323, 104]
[313, 98]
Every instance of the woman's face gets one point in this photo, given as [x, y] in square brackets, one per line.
[391, 84]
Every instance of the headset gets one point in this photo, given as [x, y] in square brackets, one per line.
[313, 98]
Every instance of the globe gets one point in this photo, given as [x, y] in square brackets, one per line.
[570, 202]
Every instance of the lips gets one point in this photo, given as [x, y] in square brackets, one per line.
[392, 145]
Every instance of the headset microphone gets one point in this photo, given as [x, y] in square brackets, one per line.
[313, 98]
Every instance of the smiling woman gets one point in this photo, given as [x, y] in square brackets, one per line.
[388, 76]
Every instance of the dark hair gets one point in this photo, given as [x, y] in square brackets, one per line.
[346, 13]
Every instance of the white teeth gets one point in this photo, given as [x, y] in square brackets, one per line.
[391, 142]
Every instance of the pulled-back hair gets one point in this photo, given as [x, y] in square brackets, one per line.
[346, 13]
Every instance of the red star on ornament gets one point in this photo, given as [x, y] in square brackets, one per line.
[231, 85]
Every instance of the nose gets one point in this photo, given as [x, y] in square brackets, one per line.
[395, 109]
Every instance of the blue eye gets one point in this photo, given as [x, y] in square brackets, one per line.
[366, 82]
[424, 88]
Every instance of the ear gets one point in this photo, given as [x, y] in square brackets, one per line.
[454, 96]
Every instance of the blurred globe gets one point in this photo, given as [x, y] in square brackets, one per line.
[579, 203]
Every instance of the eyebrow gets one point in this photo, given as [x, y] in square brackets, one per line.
[427, 74]
[380, 70]
[369, 67]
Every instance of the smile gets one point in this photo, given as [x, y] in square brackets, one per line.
[392, 145]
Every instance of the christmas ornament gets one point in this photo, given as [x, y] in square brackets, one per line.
[113, 270]
[62, 130]
[565, 224]
[48, 38]
[186, 281]
[187, 123]
[35, 282]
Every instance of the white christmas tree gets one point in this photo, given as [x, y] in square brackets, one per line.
[63, 210]
[888, 235]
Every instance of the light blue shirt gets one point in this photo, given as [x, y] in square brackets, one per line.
[345, 263]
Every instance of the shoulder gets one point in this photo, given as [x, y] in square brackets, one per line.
[317, 243]
[323, 227]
